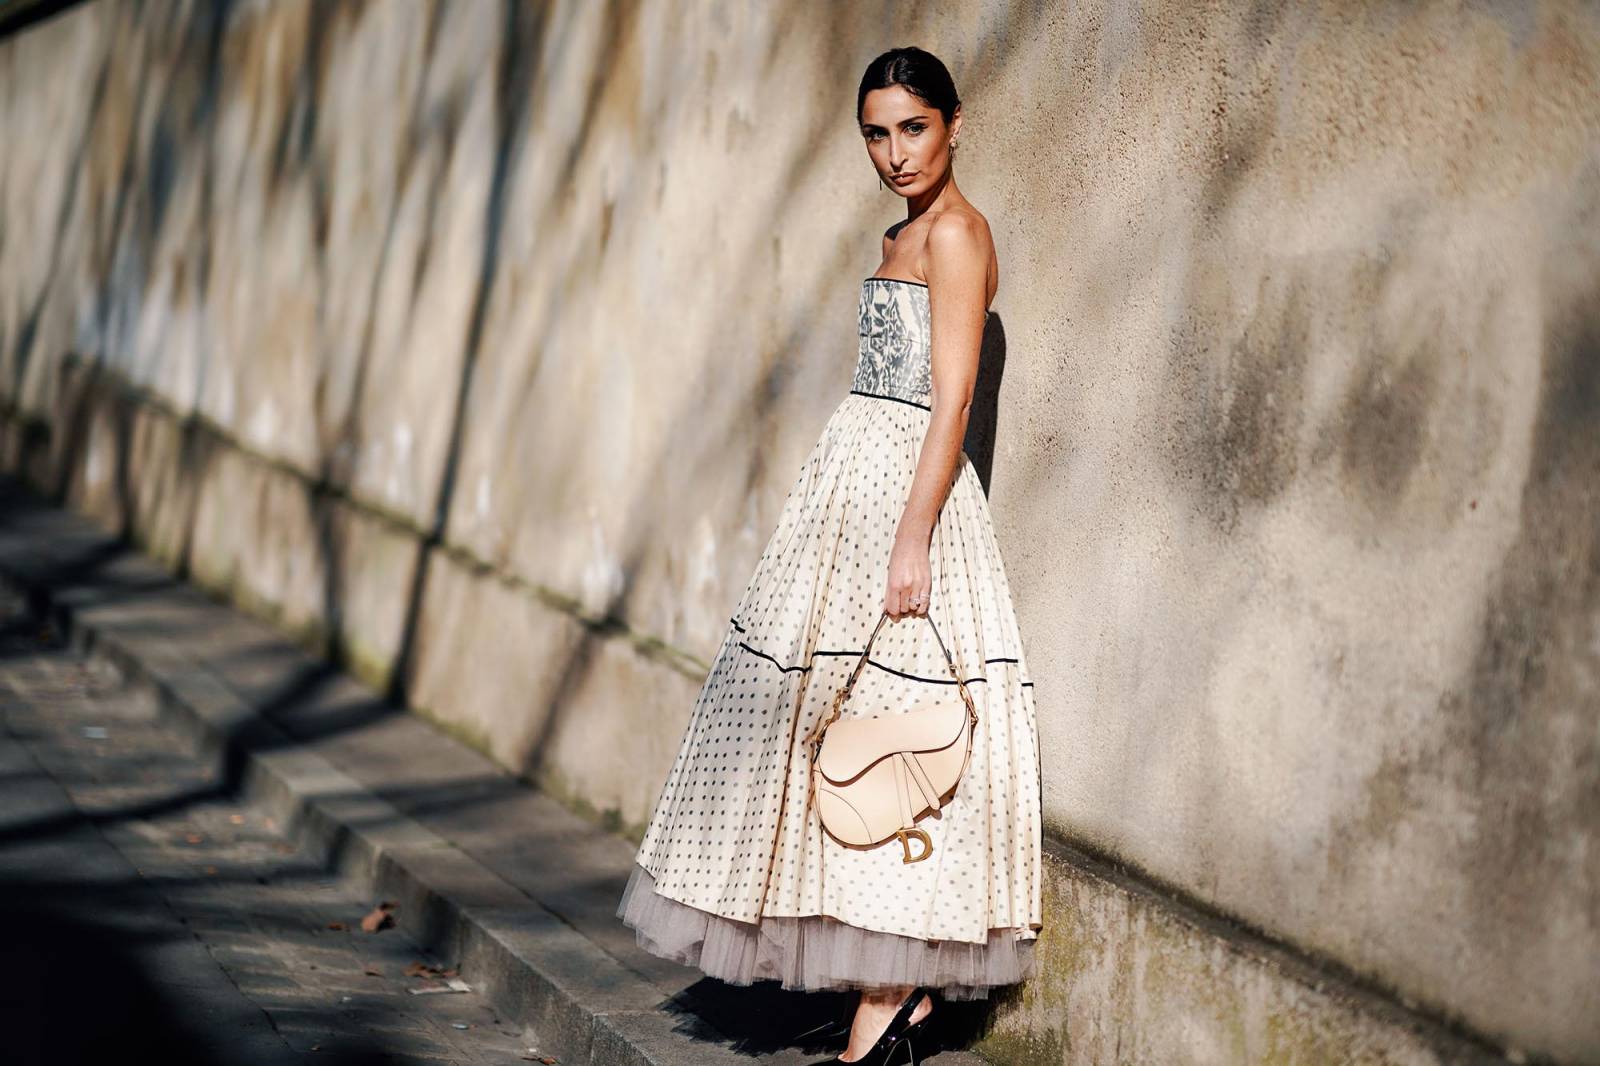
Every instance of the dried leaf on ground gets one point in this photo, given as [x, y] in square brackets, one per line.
[430, 988]
[422, 969]
[337, 927]
[380, 917]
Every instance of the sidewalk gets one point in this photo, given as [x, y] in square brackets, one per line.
[487, 872]
[151, 919]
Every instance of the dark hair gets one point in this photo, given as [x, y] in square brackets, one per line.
[920, 72]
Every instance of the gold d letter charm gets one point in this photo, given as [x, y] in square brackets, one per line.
[905, 842]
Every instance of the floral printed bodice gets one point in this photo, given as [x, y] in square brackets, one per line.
[896, 341]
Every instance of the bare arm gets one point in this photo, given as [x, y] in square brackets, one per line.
[956, 266]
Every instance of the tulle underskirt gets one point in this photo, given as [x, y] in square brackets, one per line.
[816, 952]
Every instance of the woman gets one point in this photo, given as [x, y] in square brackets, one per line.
[884, 545]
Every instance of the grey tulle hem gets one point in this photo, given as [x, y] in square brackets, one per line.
[817, 952]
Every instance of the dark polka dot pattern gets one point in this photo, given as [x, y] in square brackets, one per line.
[731, 833]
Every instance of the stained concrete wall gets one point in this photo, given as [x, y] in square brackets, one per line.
[481, 342]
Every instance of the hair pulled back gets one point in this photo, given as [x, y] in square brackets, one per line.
[922, 74]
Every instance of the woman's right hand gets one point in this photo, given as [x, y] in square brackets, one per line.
[910, 578]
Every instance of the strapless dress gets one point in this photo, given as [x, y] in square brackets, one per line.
[734, 874]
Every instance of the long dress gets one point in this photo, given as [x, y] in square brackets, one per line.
[735, 874]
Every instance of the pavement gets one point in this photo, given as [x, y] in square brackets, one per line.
[185, 924]
[190, 803]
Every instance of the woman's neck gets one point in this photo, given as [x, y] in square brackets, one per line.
[944, 195]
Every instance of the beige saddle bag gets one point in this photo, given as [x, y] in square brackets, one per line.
[872, 778]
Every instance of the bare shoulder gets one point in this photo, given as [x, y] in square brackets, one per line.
[959, 242]
[959, 233]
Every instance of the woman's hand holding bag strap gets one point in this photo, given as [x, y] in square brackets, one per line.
[872, 778]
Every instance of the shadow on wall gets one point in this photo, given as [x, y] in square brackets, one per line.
[1522, 710]
[18, 15]
[983, 418]
[185, 111]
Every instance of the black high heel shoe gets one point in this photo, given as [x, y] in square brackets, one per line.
[897, 1035]
[830, 1030]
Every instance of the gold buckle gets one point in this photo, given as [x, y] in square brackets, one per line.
[904, 836]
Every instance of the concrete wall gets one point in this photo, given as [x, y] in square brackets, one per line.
[481, 342]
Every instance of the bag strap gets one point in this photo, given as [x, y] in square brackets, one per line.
[839, 698]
